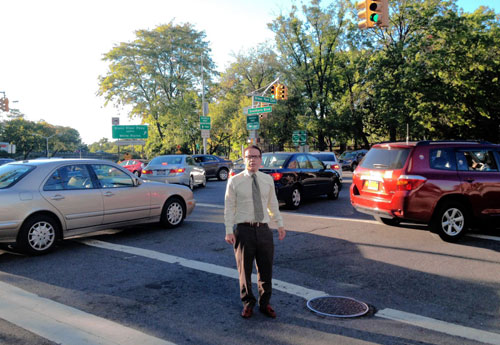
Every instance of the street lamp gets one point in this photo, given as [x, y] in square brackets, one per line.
[47, 140]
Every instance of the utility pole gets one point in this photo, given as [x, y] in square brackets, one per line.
[203, 103]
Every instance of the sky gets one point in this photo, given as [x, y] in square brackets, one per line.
[51, 51]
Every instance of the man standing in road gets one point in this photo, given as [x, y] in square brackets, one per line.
[248, 194]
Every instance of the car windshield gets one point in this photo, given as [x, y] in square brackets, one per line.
[381, 158]
[274, 160]
[13, 173]
[164, 160]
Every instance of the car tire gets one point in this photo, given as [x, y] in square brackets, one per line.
[295, 198]
[222, 174]
[333, 194]
[388, 221]
[173, 213]
[38, 235]
[450, 221]
[191, 182]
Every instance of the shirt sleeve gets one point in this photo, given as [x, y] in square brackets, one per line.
[229, 207]
[273, 206]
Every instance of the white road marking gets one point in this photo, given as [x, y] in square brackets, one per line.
[440, 326]
[413, 319]
[63, 324]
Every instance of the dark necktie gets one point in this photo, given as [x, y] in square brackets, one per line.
[257, 200]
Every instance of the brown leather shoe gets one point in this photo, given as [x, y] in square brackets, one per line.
[247, 312]
[268, 311]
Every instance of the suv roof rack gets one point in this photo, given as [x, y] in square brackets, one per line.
[429, 142]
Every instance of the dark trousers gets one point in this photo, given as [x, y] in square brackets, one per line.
[254, 243]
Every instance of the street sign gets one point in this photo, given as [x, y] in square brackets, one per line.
[204, 126]
[205, 133]
[253, 122]
[299, 138]
[130, 132]
[264, 99]
[204, 122]
[115, 121]
[259, 110]
[205, 108]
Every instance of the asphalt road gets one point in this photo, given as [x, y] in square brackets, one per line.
[150, 285]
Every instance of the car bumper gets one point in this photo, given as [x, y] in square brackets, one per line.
[9, 231]
[168, 179]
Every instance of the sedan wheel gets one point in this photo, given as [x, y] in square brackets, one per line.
[334, 193]
[173, 213]
[191, 183]
[38, 235]
[222, 175]
[295, 198]
[450, 221]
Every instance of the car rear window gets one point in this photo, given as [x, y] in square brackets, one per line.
[325, 157]
[12, 173]
[274, 160]
[382, 158]
[166, 160]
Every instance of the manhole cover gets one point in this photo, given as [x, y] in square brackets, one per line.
[337, 306]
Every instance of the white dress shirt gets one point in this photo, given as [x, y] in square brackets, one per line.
[238, 202]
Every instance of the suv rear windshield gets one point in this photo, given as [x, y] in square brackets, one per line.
[382, 158]
[12, 173]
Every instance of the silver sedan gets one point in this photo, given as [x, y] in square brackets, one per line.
[181, 169]
[42, 201]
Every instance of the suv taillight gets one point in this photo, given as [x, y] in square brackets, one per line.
[410, 182]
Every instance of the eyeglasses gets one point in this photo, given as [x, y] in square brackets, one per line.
[254, 157]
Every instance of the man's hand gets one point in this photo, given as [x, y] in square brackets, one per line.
[281, 233]
[230, 239]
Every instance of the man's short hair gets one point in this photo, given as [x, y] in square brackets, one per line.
[253, 147]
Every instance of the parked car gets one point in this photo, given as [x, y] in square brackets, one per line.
[135, 166]
[181, 169]
[6, 160]
[350, 159]
[448, 185]
[298, 176]
[330, 160]
[238, 166]
[214, 166]
[43, 201]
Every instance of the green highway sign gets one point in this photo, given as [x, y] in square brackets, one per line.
[253, 122]
[260, 110]
[299, 137]
[130, 132]
[204, 119]
[204, 125]
[264, 99]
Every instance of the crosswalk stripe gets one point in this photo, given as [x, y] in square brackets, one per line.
[63, 324]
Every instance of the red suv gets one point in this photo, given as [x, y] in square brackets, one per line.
[446, 184]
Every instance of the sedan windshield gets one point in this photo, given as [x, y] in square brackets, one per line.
[12, 173]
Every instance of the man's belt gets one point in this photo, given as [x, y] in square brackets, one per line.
[253, 224]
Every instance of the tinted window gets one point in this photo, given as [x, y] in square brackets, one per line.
[442, 159]
[325, 157]
[69, 177]
[304, 163]
[381, 158]
[316, 163]
[11, 174]
[190, 161]
[274, 160]
[210, 159]
[476, 160]
[164, 160]
[111, 177]
[293, 164]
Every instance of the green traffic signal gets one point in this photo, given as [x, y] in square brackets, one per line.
[374, 17]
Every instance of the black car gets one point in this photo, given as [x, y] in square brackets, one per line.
[214, 166]
[350, 159]
[299, 175]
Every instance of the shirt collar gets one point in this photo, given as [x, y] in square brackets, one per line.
[248, 174]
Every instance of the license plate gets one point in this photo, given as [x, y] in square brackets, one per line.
[372, 185]
[160, 172]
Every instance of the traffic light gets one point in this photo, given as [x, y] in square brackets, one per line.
[273, 90]
[4, 104]
[373, 12]
[282, 92]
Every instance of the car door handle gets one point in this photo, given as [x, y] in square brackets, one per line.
[57, 197]
[469, 179]
[108, 193]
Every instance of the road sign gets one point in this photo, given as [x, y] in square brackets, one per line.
[204, 119]
[130, 132]
[264, 99]
[299, 137]
[260, 110]
[115, 121]
[204, 126]
[253, 122]
[205, 133]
